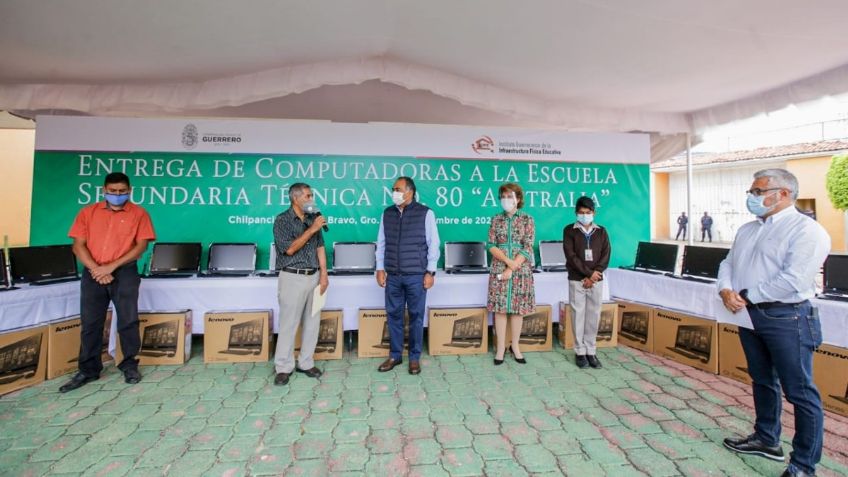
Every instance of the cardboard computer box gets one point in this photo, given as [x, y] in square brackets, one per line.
[686, 339]
[458, 331]
[165, 338]
[330, 343]
[23, 358]
[830, 373]
[63, 341]
[536, 330]
[237, 336]
[373, 336]
[635, 324]
[607, 326]
[731, 358]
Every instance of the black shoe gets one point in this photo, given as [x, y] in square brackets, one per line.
[498, 362]
[593, 361]
[796, 473]
[517, 359]
[754, 446]
[312, 372]
[581, 361]
[77, 381]
[281, 379]
[132, 376]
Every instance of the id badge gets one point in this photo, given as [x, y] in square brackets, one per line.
[587, 256]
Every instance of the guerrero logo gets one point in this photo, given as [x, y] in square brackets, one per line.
[483, 144]
[190, 136]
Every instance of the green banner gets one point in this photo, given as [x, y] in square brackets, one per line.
[201, 197]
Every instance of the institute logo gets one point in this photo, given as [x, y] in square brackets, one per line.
[190, 136]
[483, 144]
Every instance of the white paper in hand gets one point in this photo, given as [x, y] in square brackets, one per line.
[318, 300]
[740, 318]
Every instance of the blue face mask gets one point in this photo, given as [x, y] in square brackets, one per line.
[117, 199]
[585, 219]
[755, 205]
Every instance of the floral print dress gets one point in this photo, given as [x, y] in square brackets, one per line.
[514, 235]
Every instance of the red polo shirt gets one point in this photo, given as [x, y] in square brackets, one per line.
[110, 234]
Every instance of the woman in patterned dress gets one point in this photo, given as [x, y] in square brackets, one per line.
[511, 292]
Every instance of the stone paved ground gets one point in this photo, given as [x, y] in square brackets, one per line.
[640, 415]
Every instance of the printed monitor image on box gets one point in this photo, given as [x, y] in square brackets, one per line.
[160, 339]
[236, 337]
[606, 324]
[245, 338]
[534, 329]
[693, 342]
[634, 325]
[458, 331]
[467, 333]
[386, 341]
[63, 341]
[328, 335]
[19, 360]
[330, 343]
[165, 338]
[373, 338]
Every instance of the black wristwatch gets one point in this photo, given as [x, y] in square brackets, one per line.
[428, 272]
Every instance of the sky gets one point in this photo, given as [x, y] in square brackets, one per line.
[819, 120]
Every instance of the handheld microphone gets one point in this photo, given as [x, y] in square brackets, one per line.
[313, 210]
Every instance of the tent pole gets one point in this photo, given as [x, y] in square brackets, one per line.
[691, 225]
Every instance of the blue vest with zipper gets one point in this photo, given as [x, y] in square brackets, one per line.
[406, 239]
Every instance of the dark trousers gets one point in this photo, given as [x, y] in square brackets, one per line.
[94, 302]
[405, 291]
[681, 231]
[779, 351]
[707, 231]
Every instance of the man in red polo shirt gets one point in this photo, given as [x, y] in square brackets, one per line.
[109, 236]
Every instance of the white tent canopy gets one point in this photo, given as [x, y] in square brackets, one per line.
[660, 66]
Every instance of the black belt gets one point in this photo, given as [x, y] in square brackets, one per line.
[300, 271]
[774, 304]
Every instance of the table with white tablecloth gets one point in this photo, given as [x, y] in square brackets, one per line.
[346, 293]
[702, 300]
[33, 305]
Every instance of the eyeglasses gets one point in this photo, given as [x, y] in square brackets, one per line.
[758, 192]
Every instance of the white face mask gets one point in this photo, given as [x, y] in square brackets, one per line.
[585, 219]
[397, 197]
[508, 204]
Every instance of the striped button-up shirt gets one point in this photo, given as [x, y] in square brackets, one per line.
[287, 228]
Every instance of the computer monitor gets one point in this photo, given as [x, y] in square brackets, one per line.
[836, 274]
[4, 276]
[42, 263]
[656, 256]
[465, 255]
[175, 258]
[232, 258]
[552, 255]
[272, 257]
[702, 261]
[354, 257]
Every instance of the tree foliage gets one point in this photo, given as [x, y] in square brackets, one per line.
[837, 182]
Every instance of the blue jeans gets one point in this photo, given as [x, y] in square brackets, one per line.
[779, 351]
[405, 292]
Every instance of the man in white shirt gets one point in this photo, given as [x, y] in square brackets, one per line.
[770, 271]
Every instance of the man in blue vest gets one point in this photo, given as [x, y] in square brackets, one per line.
[407, 252]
